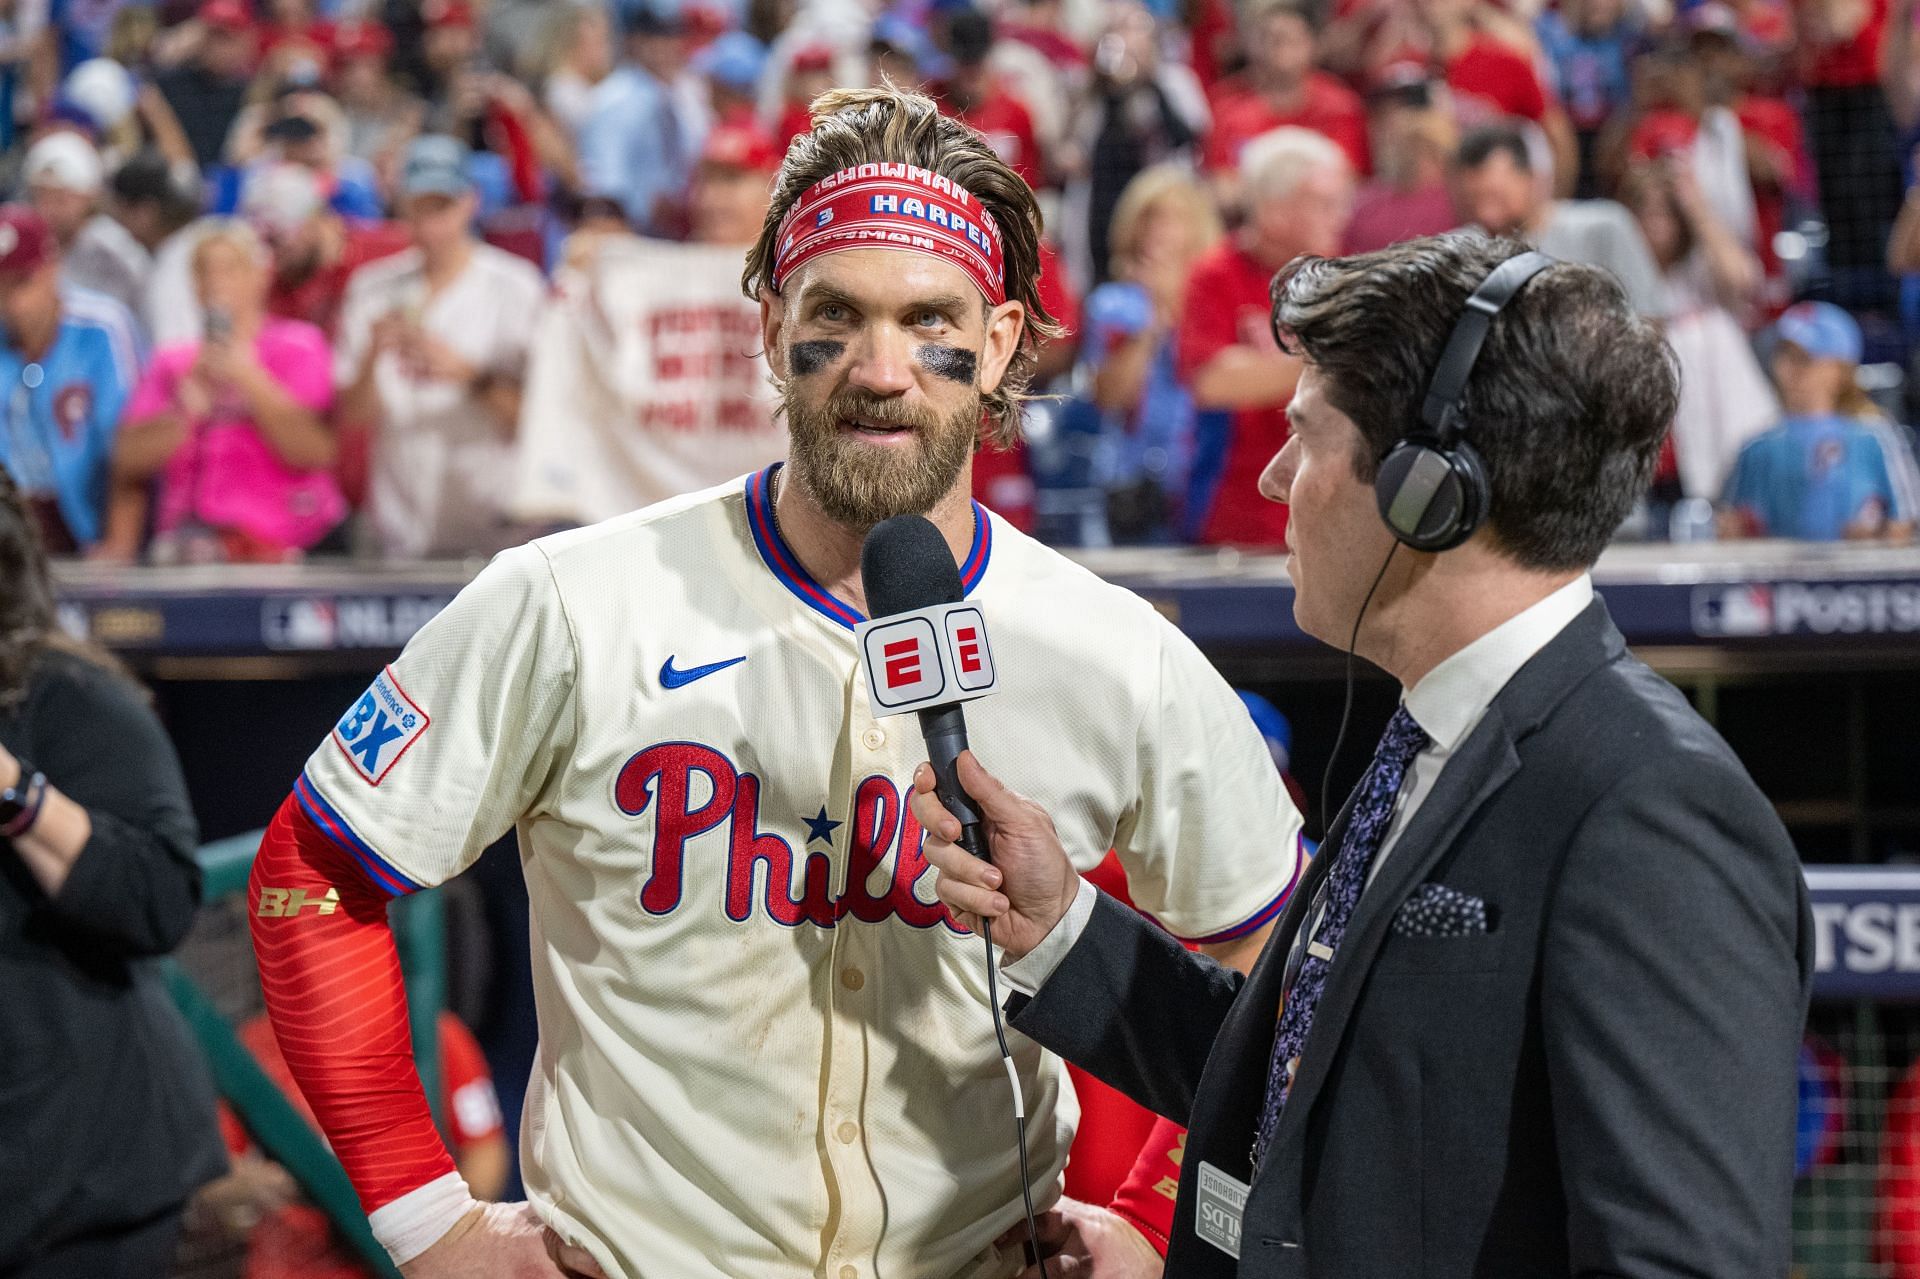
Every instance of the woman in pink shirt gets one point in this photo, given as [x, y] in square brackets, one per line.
[234, 425]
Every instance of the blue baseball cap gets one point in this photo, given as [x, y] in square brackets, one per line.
[1822, 330]
[734, 61]
[435, 165]
[906, 37]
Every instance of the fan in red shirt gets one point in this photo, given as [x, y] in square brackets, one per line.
[1280, 87]
[1002, 480]
[1413, 142]
[294, 1239]
[1299, 192]
[314, 248]
[973, 94]
[1776, 146]
[1490, 79]
[1840, 42]
[1897, 1231]
[1038, 24]
[809, 75]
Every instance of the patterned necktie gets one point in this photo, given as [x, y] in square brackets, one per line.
[1366, 827]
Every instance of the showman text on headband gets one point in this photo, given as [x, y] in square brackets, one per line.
[893, 206]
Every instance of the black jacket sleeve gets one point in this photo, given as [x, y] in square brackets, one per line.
[1132, 1007]
[136, 885]
[1673, 989]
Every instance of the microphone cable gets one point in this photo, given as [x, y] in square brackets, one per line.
[1019, 1101]
[1346, 709]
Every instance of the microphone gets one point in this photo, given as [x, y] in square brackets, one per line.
[925, 650]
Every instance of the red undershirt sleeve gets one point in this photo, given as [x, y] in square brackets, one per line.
[1146, 1197]
[333, 989]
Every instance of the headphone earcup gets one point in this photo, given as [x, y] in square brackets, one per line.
[1432, 499]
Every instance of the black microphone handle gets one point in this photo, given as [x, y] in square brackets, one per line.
[945, 728]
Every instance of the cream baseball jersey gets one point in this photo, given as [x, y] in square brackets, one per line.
[764, 1050]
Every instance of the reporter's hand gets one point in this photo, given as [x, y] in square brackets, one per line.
[1083, 1241]
[502, 1241]
[1027, 886]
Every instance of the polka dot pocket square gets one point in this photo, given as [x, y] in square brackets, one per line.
[1434, 910]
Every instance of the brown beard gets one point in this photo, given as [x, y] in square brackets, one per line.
[859, 484]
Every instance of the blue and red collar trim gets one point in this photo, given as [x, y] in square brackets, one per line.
[785, 565]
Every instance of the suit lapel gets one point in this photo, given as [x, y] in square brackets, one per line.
[1484, 763]
[1234, 1088]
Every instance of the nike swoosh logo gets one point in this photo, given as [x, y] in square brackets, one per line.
[670, 678]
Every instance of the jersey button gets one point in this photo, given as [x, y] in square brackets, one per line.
[873, 739]
[849, 1272]
[853, 979]
[847, 1133]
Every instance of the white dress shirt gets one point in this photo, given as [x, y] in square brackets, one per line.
[1448, 704]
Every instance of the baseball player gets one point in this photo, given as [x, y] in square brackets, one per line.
[765, 1049]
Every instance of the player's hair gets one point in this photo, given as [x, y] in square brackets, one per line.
[888, 125]
[28, 626]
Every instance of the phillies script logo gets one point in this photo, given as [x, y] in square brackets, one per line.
[660, 780]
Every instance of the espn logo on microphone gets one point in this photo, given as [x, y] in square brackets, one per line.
[933, 657]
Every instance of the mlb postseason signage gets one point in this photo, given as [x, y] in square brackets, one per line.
[1752, 610]
[1732, 596]
[1866, 932]
[247, 610]
[933, 657]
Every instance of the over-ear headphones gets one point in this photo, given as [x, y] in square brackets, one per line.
[1432, 487]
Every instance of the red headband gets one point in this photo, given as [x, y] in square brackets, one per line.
[893, 206]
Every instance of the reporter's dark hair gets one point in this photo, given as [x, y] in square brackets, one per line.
[1567, 405]
[1482, 144]
[28, 626]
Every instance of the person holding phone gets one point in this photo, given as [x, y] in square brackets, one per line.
[233, 426]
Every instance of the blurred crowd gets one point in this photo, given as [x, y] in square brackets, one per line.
[416, 278]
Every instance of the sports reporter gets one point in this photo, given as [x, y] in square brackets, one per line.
[1537, 1005]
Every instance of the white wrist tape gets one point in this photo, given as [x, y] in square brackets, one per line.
[418, 1219]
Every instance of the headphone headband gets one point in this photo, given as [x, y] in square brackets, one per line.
[1439, 412]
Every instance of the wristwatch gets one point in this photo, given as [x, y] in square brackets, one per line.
[20, 802]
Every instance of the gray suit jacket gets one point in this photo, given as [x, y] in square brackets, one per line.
[1601, 1084]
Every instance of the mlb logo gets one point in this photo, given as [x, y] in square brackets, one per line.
[1733, 611]
[903, 660]
[299, 623]
[379, 728]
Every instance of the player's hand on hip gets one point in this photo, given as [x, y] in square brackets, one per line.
[502, 1241]
[1027, 886]
[1083, 1241]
